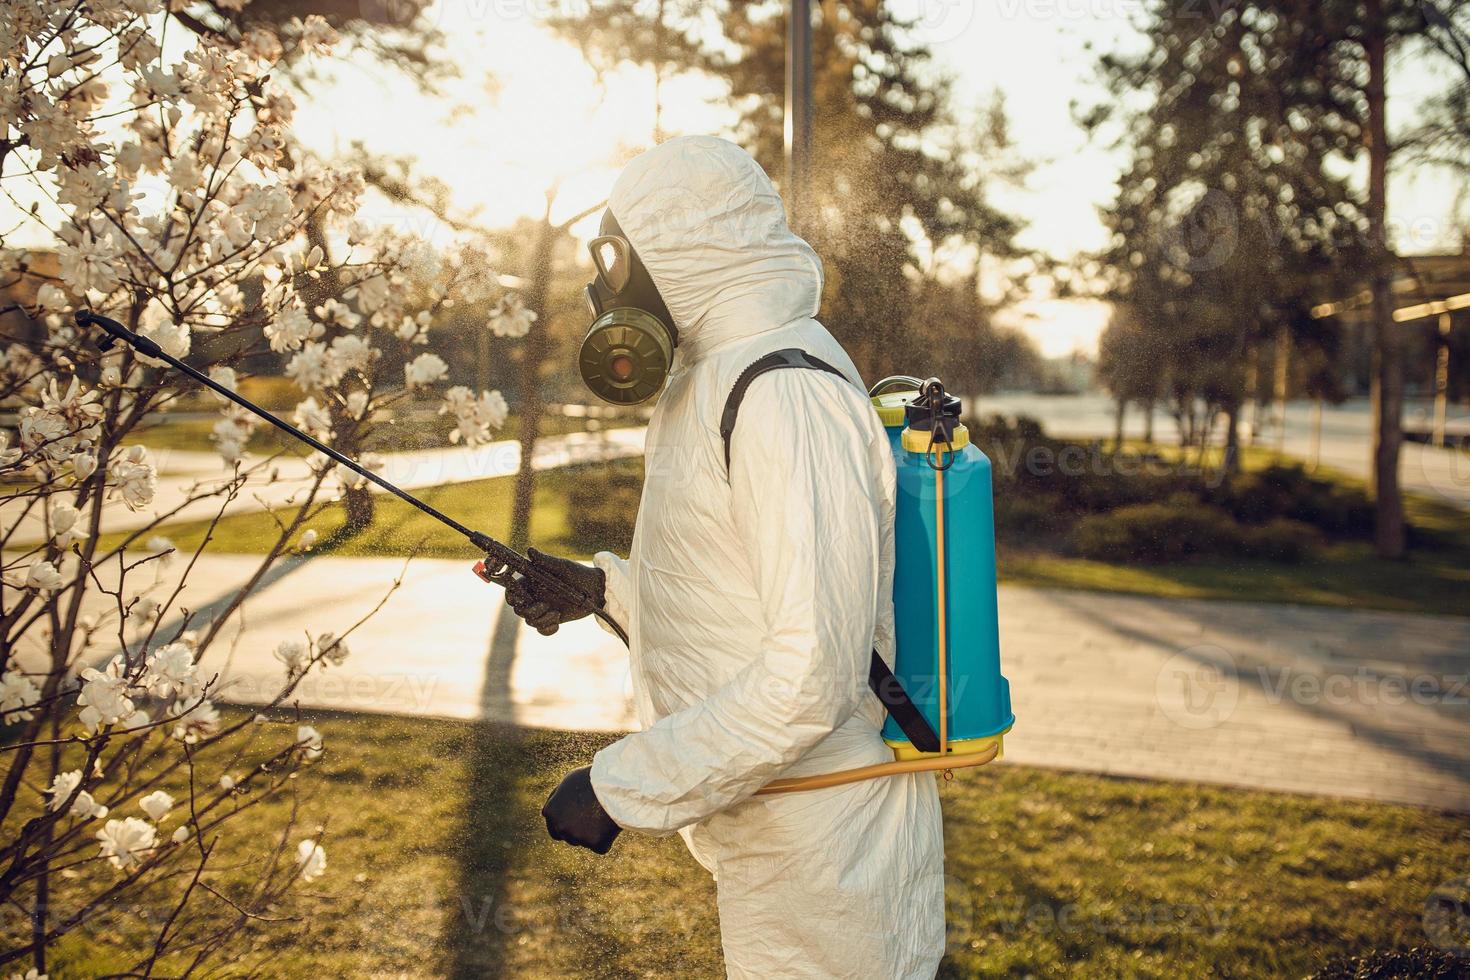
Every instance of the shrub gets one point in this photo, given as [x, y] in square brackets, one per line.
[1287, 491]
[1161, 532]
[1395, 964]
[1281, 539]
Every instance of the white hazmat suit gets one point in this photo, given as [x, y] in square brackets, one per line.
[752, 599]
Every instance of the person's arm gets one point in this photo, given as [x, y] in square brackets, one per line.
[804, 506]
[619, 594]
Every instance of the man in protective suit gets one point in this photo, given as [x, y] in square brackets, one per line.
[752, 599]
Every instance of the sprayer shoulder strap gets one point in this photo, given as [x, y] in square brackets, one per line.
[881, 681]
[790, 357]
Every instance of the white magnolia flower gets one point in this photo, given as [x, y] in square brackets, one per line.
[52, 298]
[198, 718]
[351, 353]
[17, 693]
[127, 842]
[174, 338]
[424, 370]
[295, 654]
[62, 785]
[144, 608]
[91, 263]
[180, 834]
[9, 455]
[312, 368]
[104, 698]
[333, 650]
[84, 806]
[63, 423]
[83, 465]
[308, 539]
[82, 188]
[477, 417]
[31, 974]
[171, 672]
[227, 782]
[357, 404]
[312, 859]
[232, 433]
[65, 524]
[186, 174]
[290, 329]
[511, 318]
[314, 418]
[134, 477]
[336, 312]
[414, 329]
[310, 741]
[43, 576]
[158, 544]
[225, 378]
[157, 805]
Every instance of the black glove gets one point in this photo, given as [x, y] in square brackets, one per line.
[574, 815]
[544, 607]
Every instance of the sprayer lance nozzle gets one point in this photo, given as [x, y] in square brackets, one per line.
[114, 331]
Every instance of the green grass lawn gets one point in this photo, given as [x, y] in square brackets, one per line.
[438, 865]
[397, 528]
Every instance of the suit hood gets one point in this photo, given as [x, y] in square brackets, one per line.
[709, 226]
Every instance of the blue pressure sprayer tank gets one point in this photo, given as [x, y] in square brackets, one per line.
[944, 589]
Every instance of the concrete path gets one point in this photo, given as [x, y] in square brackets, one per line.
[187, 473]
[1362, 704]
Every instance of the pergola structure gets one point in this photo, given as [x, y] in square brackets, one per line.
[1424, 286]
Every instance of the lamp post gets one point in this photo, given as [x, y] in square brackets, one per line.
[798, 116]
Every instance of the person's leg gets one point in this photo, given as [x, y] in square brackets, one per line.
[841, 882]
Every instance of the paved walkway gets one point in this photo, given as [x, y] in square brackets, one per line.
[1363, 704]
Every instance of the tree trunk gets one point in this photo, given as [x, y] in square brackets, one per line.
[1119, 410]
[528, 382]
[1231, 462]
[359, 505]
[1148, 422]
[1388, 380]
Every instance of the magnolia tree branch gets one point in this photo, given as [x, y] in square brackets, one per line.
[107, 686]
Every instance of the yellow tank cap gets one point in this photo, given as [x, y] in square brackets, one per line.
[890, 405]
[918, 442]
[903, 750]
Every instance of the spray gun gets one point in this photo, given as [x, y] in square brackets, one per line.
[501, 565]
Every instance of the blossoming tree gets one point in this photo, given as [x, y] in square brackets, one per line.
[161, 173]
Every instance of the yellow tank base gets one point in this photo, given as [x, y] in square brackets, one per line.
[904, 751]
[962, 754]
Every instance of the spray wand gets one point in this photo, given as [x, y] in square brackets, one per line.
[502, 564]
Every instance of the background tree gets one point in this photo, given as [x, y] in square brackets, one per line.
[1128, 366]
[897, 176]
[1239, 204]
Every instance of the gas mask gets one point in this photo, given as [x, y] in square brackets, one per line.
[626, 353]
